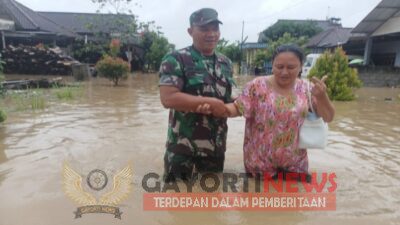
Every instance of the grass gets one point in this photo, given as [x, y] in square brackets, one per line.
[29, 100]
[68, 93]
[38, 99]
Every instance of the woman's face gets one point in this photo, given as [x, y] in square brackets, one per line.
[286, 68]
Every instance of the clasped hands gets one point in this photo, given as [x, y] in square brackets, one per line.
[212, 106]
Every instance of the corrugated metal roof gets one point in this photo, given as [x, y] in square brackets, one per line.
[28, 20]
[385, 10]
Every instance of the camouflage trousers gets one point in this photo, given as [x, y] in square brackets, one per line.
[180, 166]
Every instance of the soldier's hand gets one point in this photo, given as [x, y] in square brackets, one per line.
[217, 107]
[204, 108]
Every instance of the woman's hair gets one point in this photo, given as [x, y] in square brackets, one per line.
[293, 48]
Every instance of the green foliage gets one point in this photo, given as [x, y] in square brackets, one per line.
[155, 46]
[260, 58]
[232, 51]
[3, 116]
[113, 68]
[287, 38]
[158, 49]
[34, 100]
[123, 22]
[342, 79]
[88, 53]
[68, 93]
[297, 30]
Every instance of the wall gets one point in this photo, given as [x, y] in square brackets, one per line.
[379, 76]
[388, 47]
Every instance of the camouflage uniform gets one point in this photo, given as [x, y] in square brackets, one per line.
[196, 139]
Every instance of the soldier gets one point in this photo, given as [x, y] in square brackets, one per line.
[195, 82]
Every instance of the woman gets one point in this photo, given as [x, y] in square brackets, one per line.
[275, 108]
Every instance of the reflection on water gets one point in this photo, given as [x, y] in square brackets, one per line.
[111, 126]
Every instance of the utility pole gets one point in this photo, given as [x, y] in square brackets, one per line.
[241, 51]
[242, 31]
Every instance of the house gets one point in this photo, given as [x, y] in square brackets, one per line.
[329, 39]
[249, 51]
[323, 25]
[30, 27]
[63, 29]
[94, 27]
[91, 26]
[377, 36]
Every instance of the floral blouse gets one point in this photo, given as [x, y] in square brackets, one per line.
[272, 127]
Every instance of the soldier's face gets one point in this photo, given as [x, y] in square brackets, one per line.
[205, 38]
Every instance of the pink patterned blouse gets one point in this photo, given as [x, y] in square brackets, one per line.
[272, 127]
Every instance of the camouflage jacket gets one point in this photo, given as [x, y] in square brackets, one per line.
[195, 74]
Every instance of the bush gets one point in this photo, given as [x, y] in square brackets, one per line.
[113, 68]
[342, 80]
[3, 116]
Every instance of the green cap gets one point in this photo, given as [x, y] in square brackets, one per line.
[204, 16]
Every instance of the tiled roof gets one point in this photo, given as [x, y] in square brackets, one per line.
[91, 22]
[332, 37]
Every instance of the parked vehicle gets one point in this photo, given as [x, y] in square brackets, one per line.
[310, 61]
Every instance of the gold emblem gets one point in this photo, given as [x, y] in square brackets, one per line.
[122, 187]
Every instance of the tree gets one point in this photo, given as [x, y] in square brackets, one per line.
[154, 45]
[286, 38]
[159, 47]
[297, 30]
[260, 58]
[342, 79]
[119, 23]
[232, 51]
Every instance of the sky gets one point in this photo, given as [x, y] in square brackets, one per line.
[256, 15]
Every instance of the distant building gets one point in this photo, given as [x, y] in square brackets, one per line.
[63, 29]
[329, 39]
[30, 27]
[249, 51]
[377, 36]
[322, 24]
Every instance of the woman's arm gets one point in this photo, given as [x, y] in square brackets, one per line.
[172, 97]
[232, 110]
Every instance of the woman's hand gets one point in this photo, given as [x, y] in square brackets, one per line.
[319, 89]
[324, 105]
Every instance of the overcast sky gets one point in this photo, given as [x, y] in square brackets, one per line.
[173, 15]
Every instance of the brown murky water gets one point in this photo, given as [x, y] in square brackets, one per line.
[110, 126]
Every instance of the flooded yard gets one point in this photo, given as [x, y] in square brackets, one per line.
[108, 127]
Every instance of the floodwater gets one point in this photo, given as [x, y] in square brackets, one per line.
[109, 127]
